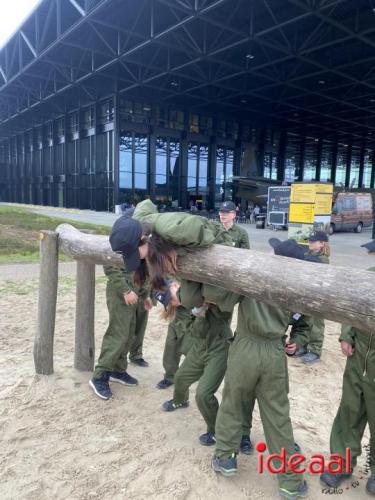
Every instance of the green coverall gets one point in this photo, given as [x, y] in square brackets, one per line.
[257, 368]
[178, 342]
[308, 332]
[178, 339]
[123, 319]
[357, 407]
[206, 361]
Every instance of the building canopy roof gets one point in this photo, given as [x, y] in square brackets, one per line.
[305, 64]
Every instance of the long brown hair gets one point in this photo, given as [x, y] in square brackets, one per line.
[161, 260]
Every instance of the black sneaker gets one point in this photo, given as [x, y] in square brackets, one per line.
[333, 480]
[164, 384]
[301, 492]
[226, 466]
[246, 445]
[140, 362]
[207, 439]
[370, 485]
[171, 406]
[101, 387]
[123, 378]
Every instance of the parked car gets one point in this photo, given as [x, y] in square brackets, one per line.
[351, 211]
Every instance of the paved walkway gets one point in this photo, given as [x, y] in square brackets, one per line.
[345, 247]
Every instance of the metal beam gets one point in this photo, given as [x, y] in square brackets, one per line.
[78, 7]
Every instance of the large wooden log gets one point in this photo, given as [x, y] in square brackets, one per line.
[43, 343]
[340, 294]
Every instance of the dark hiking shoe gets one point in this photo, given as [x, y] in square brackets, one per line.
[225, 466]
[171, 406]
[101, 387]
[301, 492]
[370, 485]
[207, 439]
[164, 384]
[140, 362]
[300, 352]
[123, 378]
[246, 446]
[333, 480]
[310, 358]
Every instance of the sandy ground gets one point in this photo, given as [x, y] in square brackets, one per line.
[58, 441]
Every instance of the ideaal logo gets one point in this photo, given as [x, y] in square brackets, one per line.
[299, 463]
[316, 465]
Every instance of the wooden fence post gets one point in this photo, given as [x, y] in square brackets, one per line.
[48, 275]
[84, 351]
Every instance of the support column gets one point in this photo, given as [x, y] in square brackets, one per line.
[319, 160]
[334, 162]
[116, 150]
[212, 173]
[361, 166]
[281, 156]
[348, 165]
[301, 158]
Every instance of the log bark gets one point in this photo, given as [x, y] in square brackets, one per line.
[341, 294]
[84, 352]
[43, 344]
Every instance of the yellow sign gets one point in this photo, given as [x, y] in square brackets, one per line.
[303, 193]
[306, 192]
[324, 188]
[323, 204]
[301, 212]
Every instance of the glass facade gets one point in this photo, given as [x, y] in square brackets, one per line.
[342, 160]
[224, 174]
[367, 168]
[118, 150]
[310, 159]
[326, 162]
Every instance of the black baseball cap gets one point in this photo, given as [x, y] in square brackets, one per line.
[318, 236]
[165, 296]
[287, 248]
[227, 206]
[370, 246]
[125, 238]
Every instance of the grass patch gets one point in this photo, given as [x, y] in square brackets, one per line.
[18, 287]
[19, 233]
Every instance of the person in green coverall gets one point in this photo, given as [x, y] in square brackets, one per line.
[206, 360]
[136, 348]
[126, 302]
[257, 368]
[308, 333]
[177, 343]
[240, 237]
[179, 340]
[357, 407]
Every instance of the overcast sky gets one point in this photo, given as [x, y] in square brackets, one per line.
[12, 13]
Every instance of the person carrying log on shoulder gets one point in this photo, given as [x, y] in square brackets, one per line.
[178, 341]
[257, 368]
[357, 406]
